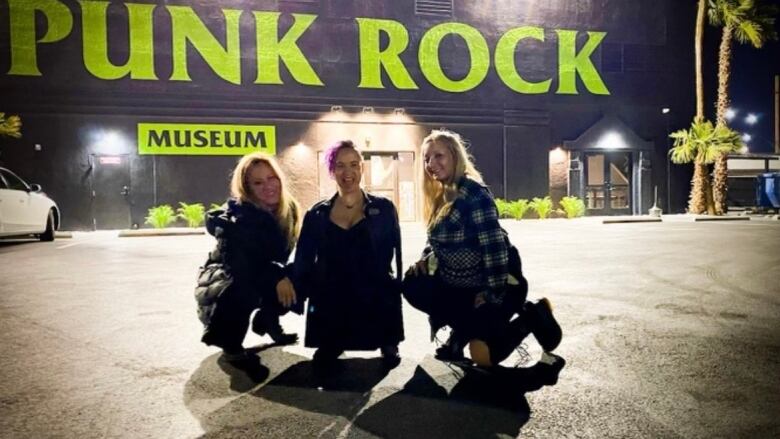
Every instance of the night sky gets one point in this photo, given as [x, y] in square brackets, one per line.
[752, 87]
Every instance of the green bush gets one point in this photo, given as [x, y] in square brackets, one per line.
[192, 214]
[573, 207]
[518, 208]
[542, 206]
[503, 208]
[215, 206]
[160, 216]
[512, 209]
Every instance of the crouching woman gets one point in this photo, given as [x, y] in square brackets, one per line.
[343, 264]
[247, 270]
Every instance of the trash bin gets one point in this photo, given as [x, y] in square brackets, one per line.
[768, 190]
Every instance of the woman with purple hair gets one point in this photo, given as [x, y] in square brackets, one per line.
[344, 265]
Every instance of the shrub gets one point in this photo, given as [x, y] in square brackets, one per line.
[503, 208]
[215, 206]
[542, 206]
[518, 208]
[573, 207]
[160, 216]
[193, 214]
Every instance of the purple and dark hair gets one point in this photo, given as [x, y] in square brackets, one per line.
[333, 151]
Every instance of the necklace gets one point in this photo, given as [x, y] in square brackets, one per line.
[347, 205]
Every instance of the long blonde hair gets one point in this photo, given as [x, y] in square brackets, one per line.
[287, 213]
[438, 197]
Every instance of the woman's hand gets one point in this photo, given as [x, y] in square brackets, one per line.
[285, 292]
[418, 268]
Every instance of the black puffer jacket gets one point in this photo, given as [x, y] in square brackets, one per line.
[251, 254]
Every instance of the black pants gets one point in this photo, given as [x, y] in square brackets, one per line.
[230, 321]
[454, 307]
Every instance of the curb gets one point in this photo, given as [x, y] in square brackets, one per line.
[174, 231]
[631, 219]
[720, 218]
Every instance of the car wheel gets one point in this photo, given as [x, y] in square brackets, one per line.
[48, 235]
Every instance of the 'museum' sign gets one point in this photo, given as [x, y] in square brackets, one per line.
[380, 44]
[214, 139]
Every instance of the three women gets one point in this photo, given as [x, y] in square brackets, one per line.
[470, 277]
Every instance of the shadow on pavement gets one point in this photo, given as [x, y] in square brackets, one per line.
[479, 405]
[295, 401]
[10, 242]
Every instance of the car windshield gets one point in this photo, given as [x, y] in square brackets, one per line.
[13, 181]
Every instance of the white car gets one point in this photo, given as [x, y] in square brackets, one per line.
[25, 210]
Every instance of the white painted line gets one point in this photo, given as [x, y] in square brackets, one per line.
[70, 245]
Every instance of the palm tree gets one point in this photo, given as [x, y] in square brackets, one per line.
[698, 46]
[702, 144]
[10, 126]
[747, 21]
[688, 144]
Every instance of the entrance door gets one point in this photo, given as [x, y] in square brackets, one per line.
[111, 192]
[608, 188]
[391, 175]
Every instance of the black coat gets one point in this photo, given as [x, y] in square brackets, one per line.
[248, 261]
[374, 319]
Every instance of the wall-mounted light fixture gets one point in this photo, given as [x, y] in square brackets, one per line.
[368, 110]
[611, 140]
[336, 108]
[665, 110]
[399, 111]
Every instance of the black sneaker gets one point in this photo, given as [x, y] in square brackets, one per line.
[452, 350]
[390, 356]
[548, 373]
[543, 325]
[268, 323]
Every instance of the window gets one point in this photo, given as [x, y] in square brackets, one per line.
[13, 181]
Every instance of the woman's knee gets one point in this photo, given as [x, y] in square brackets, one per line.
[480, 353]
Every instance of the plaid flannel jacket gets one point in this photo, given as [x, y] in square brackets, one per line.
[469, 243]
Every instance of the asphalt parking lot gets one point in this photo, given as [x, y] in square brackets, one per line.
[671, 330]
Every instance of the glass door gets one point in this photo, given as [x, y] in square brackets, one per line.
[608, 188]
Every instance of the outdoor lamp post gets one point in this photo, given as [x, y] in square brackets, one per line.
[665, 111]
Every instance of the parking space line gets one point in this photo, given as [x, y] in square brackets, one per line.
[70, 245]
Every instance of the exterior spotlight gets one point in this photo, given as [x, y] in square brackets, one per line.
[751, 119]
[665, 110]
[336, 108]
[611, 140]
[746, 137]
[368, 110]
[399, 111]
[730, 114]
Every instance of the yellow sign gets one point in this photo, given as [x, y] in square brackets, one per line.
[212, 139]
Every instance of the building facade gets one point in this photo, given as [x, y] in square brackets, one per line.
[131, 104]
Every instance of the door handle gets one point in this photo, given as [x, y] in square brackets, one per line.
[125, 190]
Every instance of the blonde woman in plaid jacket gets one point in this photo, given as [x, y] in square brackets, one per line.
[470, 277]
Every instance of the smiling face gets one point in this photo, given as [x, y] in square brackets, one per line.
[348, 170]
[264, 186]
[439, 162]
